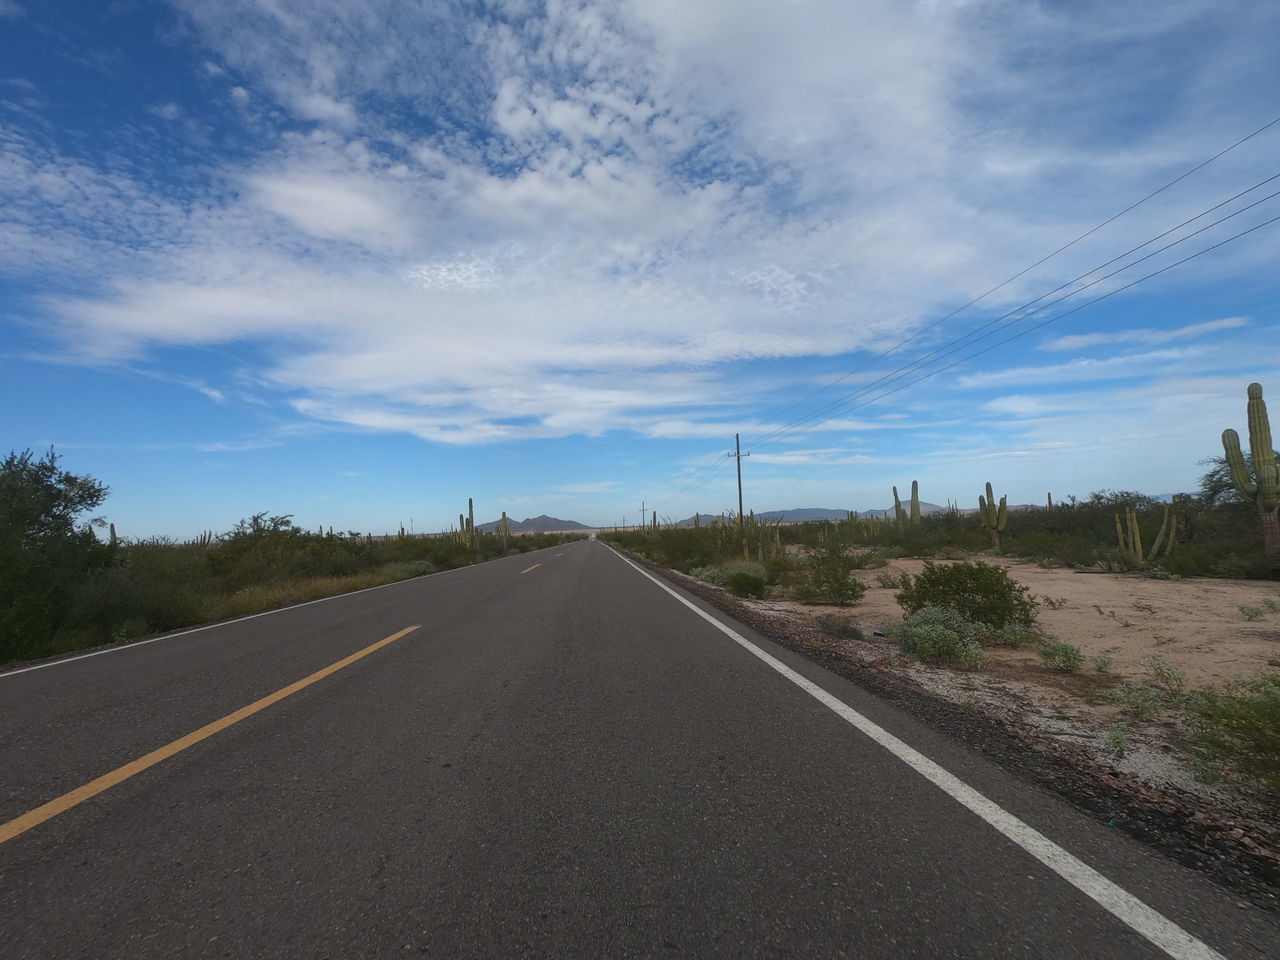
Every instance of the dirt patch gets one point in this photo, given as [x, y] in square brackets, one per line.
[1051, 729]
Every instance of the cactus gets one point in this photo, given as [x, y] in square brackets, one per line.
[506, 532]
[915, 503]
[1262, 487]
[471, 523]
[1167, 534]
[899, 515]
[993, 518]
[1050, 496]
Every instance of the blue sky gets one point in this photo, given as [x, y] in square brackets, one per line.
[357, 261]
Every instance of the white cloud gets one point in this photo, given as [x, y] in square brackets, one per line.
[1148, 336]
[334, 207]
[166, 111]
[575, 220]
[11, 8]
[1082, 370]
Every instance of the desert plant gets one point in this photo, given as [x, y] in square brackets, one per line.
[937, 635]
[994, 518]
[1260, 487]
[893, 581]
[1249, 612]
[1117, 738]
[1102, 662]
[979, 592]
[1162, 675]
[839, 628]
[1238, 729]
[1061, 656]
[1136, 699]
[745, 583]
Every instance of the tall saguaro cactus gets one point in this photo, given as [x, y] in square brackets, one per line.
[471, 523]
[1262, 487]
[993, 518]
[899, 515]
[915, 503]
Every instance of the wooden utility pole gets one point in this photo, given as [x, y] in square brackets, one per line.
[738, 455]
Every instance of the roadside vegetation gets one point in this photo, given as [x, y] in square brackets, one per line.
[67, 583]
[960, 605]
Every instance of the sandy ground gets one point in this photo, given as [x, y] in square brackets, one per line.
[1196, 625]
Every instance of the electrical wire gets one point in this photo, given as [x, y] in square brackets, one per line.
[1066, 246]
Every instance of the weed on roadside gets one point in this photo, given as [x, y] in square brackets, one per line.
[1137, 700]
[1102, 662]
[1061, 656]
[839, 628]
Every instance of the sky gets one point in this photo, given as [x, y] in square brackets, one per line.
[359, 260]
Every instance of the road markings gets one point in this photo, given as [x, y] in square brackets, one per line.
[534, 567]
[78, 796]
[1127, 908]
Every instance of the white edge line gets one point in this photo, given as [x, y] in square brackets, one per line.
[116, 648]
[1127, 908]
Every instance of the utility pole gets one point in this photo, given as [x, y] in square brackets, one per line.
[738, 455]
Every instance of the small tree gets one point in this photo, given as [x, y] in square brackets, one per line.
[45, 549]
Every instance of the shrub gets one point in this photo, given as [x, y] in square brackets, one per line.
[979, 592]
[893, 581]
[1011, 635]
[1141, 701]
[745, 583]
[1238, 730]
[937, 635]
[840, 628]
[1251, 613]
[828, 576]
[1061, 656]
[719, 574]
[1165, 677]
[1102, 662]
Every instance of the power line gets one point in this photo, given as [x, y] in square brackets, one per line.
[1042, 260]
[951, 346]
[1056, 317]
[1076, 309]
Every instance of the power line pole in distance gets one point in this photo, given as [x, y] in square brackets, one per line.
[738, 455]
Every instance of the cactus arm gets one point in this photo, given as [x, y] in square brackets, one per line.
[1120, 538]
[1235, 463]
[1260, 448]
[1002, 516]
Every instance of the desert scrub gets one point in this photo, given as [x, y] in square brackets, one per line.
[1102, 662]
[1137, 700]
[1011, 635]
[938, 635]
[839, 628]
[893, 581]
[1250, 612]
[720, 573]
[827, 574]
[1061, 656]
[979, 592]
[1237, 730]
[744, 583]
[1165, 677]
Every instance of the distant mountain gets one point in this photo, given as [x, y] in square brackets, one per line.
[542, 524]
[926, 508]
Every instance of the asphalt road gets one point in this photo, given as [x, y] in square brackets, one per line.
[563, 760]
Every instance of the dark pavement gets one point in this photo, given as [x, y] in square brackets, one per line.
[565, 762]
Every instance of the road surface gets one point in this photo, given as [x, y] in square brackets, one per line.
[547, 755]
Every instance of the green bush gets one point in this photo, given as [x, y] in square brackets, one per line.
[1237, 730]
[720, 574]
[938, 635]
[1061, 656]
[979, 592]
[840, 628]
[743, 583]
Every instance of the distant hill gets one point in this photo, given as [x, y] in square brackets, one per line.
[542, 524]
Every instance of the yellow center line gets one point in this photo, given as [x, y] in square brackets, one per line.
[105, 782]
[534, 567]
